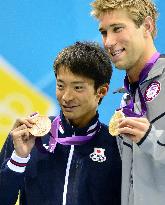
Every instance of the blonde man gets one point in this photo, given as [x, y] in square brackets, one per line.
[128, 28]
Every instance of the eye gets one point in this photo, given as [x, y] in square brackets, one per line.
[118, 29]
[60, 86]
[78, 88]
[103, 33]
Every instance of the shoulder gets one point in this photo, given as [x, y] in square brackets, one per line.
[160, 64]
[104, 134]
[7, 149]
[104, 127]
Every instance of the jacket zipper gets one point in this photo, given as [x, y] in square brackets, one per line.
[67, 174]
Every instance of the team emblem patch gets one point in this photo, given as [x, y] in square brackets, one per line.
[98, 155]
[152, 91]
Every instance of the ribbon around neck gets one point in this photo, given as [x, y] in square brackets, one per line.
[73, 140]
[128, 110]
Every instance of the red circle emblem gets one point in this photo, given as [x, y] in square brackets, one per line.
[152, 91]
[98, 151]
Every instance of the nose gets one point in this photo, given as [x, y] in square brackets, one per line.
[109, 41]
[67, 95]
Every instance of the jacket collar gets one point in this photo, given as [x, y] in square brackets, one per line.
[157, 69]
[69, 130]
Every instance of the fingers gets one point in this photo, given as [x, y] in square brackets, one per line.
[134, 128]
[21, 126]
[21, 131]
[22, 139]
[131, 132]
[24, 121]
[138, 123]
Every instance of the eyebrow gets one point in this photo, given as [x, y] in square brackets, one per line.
[109, 26]
[74, 82]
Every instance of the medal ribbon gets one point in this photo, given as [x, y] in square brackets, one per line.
[128, 109]
[73, 140]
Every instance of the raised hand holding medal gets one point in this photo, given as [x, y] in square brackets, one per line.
[26, 130]
[42, 125]
[134, 126]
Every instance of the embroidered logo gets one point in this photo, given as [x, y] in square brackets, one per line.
[98, 155]
[152, 91]
[46, 146]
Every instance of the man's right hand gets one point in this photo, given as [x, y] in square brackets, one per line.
[22, 139]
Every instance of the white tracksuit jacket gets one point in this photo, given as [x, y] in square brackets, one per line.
[143, 164]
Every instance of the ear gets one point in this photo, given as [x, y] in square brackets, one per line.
[148, 26]
[102, 90]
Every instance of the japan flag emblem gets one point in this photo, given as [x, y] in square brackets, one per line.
[98, 155]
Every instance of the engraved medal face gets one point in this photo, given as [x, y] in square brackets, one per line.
[41, 127]
[113, 124]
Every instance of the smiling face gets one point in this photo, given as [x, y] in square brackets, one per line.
[127, 44]
[76, 96]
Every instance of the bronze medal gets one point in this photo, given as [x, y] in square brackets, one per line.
[41, 127]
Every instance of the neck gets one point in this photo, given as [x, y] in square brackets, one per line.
[134, 72]
[83, 121]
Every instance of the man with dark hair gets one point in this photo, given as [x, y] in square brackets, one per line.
[77, 162]
[128, 28]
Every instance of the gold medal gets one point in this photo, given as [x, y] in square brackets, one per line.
[41, 127]
[113, 124]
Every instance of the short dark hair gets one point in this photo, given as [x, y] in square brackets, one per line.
[87, 59]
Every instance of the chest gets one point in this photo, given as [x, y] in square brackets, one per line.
[153, 92]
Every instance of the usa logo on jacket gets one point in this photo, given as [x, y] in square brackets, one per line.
[152, 91]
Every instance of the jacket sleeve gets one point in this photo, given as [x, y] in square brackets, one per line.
[154, 144]
[119, 140]
[10, 181]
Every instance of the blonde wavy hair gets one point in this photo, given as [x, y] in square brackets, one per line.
[138, 10]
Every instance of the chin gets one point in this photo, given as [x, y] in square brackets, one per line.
[119, 66]
[69, 115]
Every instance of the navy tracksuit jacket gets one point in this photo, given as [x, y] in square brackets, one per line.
[87, 182]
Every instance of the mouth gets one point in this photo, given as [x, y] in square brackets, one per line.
[69, 108]
[117, 52]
